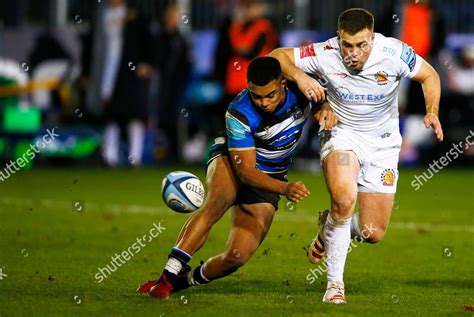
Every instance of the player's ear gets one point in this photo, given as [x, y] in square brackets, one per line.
[283, 83]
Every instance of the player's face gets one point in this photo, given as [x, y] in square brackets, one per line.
[270, 96]
[356, 48]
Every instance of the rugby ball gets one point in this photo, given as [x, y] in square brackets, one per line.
[182, 191]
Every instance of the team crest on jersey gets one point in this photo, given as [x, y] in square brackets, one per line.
[307, 51]
[388, 177]
[381, 77]
[328, 47]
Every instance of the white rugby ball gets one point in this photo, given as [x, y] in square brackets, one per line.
[182, 191]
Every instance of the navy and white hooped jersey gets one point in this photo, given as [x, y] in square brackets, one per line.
[275, 135]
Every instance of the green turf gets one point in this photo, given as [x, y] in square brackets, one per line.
[50, 252]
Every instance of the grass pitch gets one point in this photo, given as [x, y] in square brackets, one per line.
[59, 226]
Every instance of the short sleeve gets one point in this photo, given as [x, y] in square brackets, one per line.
[306, 59]
[239, 136]
[409, 61]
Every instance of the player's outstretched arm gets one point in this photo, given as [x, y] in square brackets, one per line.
[308, 85]
[287, 61]
[244, 162]
[431, 85]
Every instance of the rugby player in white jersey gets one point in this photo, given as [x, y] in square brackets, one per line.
[360, 156]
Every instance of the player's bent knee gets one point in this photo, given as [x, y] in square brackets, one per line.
[233, 260]
[343, 205]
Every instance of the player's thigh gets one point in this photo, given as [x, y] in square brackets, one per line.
[375, 212]
[341, 170]
[222, 184]
[250, 224]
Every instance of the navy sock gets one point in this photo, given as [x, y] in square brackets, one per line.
[179, 254]
[170, 277]
[198, 277]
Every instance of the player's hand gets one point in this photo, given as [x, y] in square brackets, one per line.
[310, 87]
[326, 114]
[296, 191]
[431, 120]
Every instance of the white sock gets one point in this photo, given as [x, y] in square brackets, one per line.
[110, 146]
[337, 236]
[173, 266]
[356, 233]
[136, 136]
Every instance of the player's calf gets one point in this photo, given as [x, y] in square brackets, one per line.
[225, 263]
[215, 207]
[194, 233]
[366, 232]
[217, 267]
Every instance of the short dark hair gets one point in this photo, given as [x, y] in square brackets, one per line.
[263, 70]
[355, 20]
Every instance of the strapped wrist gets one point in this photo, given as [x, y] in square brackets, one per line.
[432, 109]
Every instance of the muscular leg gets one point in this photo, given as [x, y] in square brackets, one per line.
[250, 224]
[196, 230]
[341, 169]
[374, 215]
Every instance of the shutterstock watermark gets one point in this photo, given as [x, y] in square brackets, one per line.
[126, 255]
[456, 150]
[323, 267]
[14, 166]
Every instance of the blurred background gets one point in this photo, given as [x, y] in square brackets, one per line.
[147, 82]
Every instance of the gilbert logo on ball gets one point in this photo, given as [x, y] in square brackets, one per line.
[182, 191]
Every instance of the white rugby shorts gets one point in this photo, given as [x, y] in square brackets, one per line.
[377, 155]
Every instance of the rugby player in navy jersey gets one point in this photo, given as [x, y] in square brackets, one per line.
[247, 169]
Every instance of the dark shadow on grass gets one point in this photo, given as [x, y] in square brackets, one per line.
[223, 287]
[237, 287]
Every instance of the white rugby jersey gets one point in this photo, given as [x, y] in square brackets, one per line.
[365, 101]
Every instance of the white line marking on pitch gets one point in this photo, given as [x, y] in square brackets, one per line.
[91, 206]
[88, 206]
